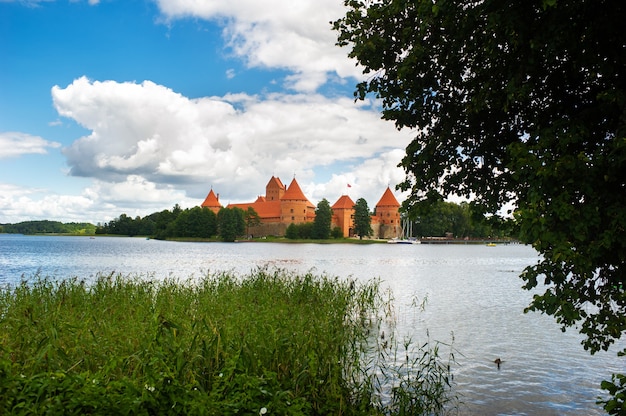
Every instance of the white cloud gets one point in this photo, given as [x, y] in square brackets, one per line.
[100, 202]
[234, 143]
[22, 204]
[368, 179]
[14, 144]
[293, 35]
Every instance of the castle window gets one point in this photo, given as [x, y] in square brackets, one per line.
[292, 210]
[388, 214]
[293, 218]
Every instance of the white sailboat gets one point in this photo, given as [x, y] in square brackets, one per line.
[407, 234]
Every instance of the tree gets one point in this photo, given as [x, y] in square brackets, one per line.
[252, 219]
[524, 102]
[197, 222]
[323, 219]
[291, 232]
[362, 219]
[230, 223]
[336, 232]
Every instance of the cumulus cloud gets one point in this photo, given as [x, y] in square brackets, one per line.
[14, 144]
[26, 204]
[100, 202]
[233, 143]
[294, 35]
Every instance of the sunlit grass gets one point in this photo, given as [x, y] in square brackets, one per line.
[270, 341]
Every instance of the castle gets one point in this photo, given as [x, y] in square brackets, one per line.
[282, 206]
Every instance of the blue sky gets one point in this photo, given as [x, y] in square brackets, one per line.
[132, 106]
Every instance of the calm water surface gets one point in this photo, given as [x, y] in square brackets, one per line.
[473, 294]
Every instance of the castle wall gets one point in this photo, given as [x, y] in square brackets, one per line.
[386, 231]
[342, 218]
[293, 212]
[273, 229]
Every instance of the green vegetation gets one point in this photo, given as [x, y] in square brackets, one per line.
[323, 219]
[271, 342]
[362, 219]
[49, 227]
[231, 223]
[197, 223]
[252, 219]
[302, 231]
[518, 102]
[443, 218]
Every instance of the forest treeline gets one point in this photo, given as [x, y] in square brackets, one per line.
[196, 222]
[48, 227]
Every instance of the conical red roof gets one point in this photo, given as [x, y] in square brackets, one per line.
[344, 202]
[211, 201]
[388, 200]
[294, 192]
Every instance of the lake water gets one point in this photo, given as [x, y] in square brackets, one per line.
[472, 291]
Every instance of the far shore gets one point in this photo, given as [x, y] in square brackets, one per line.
[351, 240]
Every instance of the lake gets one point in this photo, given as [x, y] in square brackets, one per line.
[473, 294]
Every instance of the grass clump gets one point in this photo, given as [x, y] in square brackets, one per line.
[270, 342]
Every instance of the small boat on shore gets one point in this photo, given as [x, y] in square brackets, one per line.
[402, 241]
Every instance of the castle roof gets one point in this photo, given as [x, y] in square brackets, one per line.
[388, 200]
[261, 198]
[344, 202]
[211, 201]
[265, 209]
[275, 183]
[294, 192]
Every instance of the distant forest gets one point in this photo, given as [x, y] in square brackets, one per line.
[48, 227]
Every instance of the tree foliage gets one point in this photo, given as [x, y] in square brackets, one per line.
[442, 218]
[299, 231]
[231, 223]
[252, 219]
[521, 101]
[323, 219]
[362, 219]
[46, 226]
[197, 222]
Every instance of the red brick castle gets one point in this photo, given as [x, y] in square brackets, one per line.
[283, 205]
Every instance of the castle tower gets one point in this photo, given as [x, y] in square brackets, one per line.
[274, 190]
[294, 206]
[212, 202]
[343, 215]
[388, 216]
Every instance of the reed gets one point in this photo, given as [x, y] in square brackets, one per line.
[270, 342]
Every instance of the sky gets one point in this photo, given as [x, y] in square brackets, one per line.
[133, 106]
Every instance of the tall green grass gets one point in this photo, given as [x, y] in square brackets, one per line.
[271, 342]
